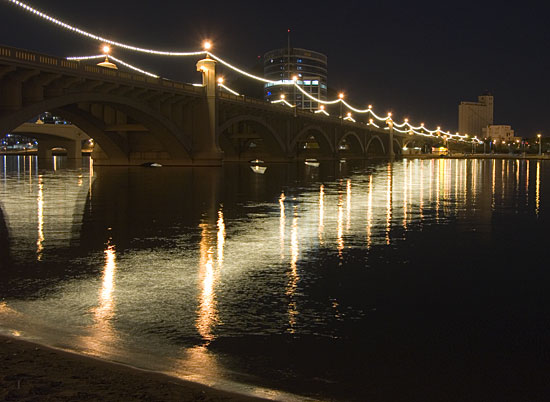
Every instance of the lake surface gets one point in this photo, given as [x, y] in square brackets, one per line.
[417, 280]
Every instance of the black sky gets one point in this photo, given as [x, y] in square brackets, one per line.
[417, 59]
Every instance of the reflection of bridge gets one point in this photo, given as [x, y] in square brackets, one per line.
[136, 119]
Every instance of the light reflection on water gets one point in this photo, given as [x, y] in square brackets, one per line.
[199, 261]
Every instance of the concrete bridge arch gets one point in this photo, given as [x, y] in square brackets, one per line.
[354, 143]
[85, 110]
[375, 145]
[236, 144]
[326, 148]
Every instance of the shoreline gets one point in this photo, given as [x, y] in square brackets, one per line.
[30, 371]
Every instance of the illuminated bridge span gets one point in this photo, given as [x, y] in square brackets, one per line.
[135, 118]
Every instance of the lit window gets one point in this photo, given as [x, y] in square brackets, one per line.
[307, 82]
[299, 60]
[315, 82]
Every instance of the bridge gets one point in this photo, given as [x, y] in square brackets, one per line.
[134, 118]
[50, 136]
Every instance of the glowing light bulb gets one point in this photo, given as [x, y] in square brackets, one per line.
[207, 45]
[349, 114]
[341, 95]
[220, 80]
[282, 96]
[322, 107]
[106, 49]
[294, 78]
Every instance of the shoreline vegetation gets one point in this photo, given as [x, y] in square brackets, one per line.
[33, 372]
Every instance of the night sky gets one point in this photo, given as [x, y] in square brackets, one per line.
[418, 60]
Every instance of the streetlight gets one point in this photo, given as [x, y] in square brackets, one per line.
[341, 97]
[540, 143]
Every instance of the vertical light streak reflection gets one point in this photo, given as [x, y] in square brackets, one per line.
[457, 176]
[389, 201]
[207, 314]
[55, 163]
[405, 192]
[410, 198]
[527, 184]
[293, 280]
[30, 170]
[348, 204]
[282, 223]
[221, 237]
[439, 178]
[421, 192]
[432, 167]
[493, 184]
[40, 202]
[321, 213]
[504, 167]
[105, 310]
[340, 224]
[474, 181]
[517, 176]
[369, 214]
[537, 190]
[91, 170]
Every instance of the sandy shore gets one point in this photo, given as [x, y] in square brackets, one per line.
[31, 372]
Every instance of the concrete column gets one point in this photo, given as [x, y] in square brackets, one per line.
[44, 151]
[74, 149]
[206, 150]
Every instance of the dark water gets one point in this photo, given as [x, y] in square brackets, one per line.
[406, 281]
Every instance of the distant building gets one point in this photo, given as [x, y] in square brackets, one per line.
[473, 117]
[308, 66]
[500, 133]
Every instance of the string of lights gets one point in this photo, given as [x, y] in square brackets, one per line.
[101, 56]
[207, 53]
[228, 89]
[97, 37]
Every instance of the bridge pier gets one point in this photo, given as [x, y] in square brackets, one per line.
[207, 151]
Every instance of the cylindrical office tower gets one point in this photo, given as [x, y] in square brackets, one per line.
[309, 68]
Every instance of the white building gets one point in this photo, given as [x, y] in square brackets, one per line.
[473, 117]
[499, 133]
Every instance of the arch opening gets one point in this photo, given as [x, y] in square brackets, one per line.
[350, 146]
[312, 143]
[248, 138]
[375, 147]
[128, 132]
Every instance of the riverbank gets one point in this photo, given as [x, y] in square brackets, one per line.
[31, 372]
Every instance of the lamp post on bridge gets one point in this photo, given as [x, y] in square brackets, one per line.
[207, 150]
[341, 97]
[540, 143]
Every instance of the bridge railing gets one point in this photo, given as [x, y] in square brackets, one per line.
[31, 58]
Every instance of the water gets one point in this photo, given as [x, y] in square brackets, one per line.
[416, 280]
